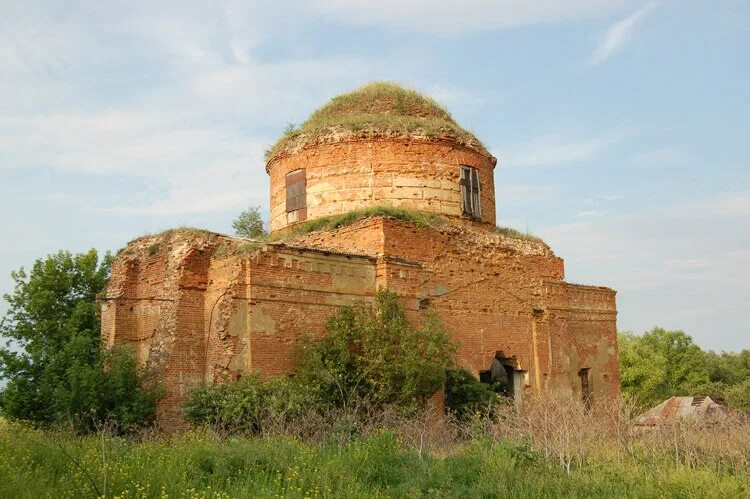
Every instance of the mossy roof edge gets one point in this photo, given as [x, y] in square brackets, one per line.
[375, 110]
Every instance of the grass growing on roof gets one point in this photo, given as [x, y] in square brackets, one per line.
[378, 107]
[420, 218]
[177, 231]
[517, 234]
[244, 248]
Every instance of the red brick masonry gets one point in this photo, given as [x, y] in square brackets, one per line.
[402, 173]
[201, 307]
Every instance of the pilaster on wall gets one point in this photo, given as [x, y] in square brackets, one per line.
[186, 362]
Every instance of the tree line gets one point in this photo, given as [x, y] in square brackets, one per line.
[660, 364]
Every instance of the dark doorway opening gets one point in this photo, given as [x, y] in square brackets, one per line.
[503, 376]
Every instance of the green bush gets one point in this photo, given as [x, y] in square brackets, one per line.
[243, 406]
[371, 357]
[466, 396]
[738, 396]
[376, 355]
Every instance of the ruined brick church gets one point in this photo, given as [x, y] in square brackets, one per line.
[199, 307]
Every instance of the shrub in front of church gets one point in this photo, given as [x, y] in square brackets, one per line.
[248, 405]
[369, 359]
[52, 364]
[376, 355]
[466, 396]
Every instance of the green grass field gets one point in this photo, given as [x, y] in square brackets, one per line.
[35, 463]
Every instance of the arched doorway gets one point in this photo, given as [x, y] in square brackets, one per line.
[504, 376]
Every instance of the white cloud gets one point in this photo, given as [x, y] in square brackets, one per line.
[736, 204]
[556, 150]
[32, 39]
[189, 169]
[618, 34]
[451, 17]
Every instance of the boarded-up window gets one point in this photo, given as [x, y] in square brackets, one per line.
[296, 192]
[470, 192]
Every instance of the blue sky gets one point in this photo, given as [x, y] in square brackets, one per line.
[621, 127]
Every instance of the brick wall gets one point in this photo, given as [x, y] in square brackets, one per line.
[402, 173]
[292, 294]
[199, 308]
[583, 334]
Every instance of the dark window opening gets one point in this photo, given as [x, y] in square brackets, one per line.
[296, 193]
[585, 387]
[470, 192]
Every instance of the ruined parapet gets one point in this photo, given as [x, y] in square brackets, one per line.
[156, 303]
[582, 323]
[202, 308]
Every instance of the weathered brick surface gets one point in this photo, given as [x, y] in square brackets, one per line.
[198, 311]
[398, 172]
[203, 308]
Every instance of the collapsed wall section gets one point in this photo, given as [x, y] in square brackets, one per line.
[155, 303]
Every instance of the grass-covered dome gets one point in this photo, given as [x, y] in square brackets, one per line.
[376, 109]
